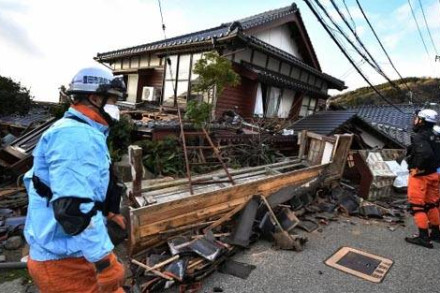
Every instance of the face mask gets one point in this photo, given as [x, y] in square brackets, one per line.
[112, 110]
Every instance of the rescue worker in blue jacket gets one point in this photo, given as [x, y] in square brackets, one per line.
[70, 249]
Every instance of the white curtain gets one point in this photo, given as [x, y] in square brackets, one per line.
[286, 103]
[258, 110]
[272, 102]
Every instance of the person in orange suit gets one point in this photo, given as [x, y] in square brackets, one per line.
[435, 233]
[423, 182]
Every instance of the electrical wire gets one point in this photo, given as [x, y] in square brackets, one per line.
[167, 58]
[163, 23]
[335, 6]
[427, 27]
[326, 27]
[380, 43]
[418, 28]
[375, 65]
[351, 17]
[351, 69]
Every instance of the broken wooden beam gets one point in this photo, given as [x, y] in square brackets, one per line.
[156, 272]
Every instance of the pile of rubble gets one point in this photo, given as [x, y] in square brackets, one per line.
[13, 202]
[284, 218]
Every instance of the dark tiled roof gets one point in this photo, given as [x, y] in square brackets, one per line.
[231, 30]
[388, 115]
[324, 123]
[35, 116]
[331, 122]
[388, 119]
[224, 30]
[277, 79]
[339, 84]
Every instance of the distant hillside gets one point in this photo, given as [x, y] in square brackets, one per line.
[424, 90]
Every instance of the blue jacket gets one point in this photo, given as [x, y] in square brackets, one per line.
[73, 160]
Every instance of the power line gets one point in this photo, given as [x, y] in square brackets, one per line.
[427, 27]
[161, 17]
[418, 28]
[351, 69]
[167, 58]
[380, 43]
[354, 32]
[351, 17]
[375, 65]
[320, 19]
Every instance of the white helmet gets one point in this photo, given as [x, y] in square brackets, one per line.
[94, 80]
[428, 115]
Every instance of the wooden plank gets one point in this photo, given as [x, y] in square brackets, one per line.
[9, 191]
[135, 155]
[314, 135]
[199, 189]
[162, 185]
[170, 209]
[190, 217]
[197, 215]
[138, 243]
[170, 190]
[156, 272]
[302, 144]
[226, 217]
[342, 149]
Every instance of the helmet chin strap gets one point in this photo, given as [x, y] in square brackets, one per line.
[101, 111]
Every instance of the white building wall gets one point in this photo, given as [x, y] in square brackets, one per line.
[280, 37]
[132, 85]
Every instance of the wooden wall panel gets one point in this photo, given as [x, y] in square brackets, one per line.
[242, 96]
[151, 77]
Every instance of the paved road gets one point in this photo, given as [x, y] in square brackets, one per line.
[415, 269]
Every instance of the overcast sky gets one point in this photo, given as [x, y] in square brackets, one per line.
[44, 43]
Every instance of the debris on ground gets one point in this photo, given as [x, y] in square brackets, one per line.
[184, 229]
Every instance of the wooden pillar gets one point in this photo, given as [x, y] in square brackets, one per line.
[135, 157]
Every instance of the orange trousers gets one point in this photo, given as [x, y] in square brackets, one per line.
[73, 275]
[424, 190]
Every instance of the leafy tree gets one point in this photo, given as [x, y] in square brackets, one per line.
[198, 112]
[14, 99]
[214, 71]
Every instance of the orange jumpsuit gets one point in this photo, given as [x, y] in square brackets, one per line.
[424, 190]
[423, 183]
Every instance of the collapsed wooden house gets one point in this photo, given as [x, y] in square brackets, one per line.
[165, 209]
[271, 51]
[369, 152]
